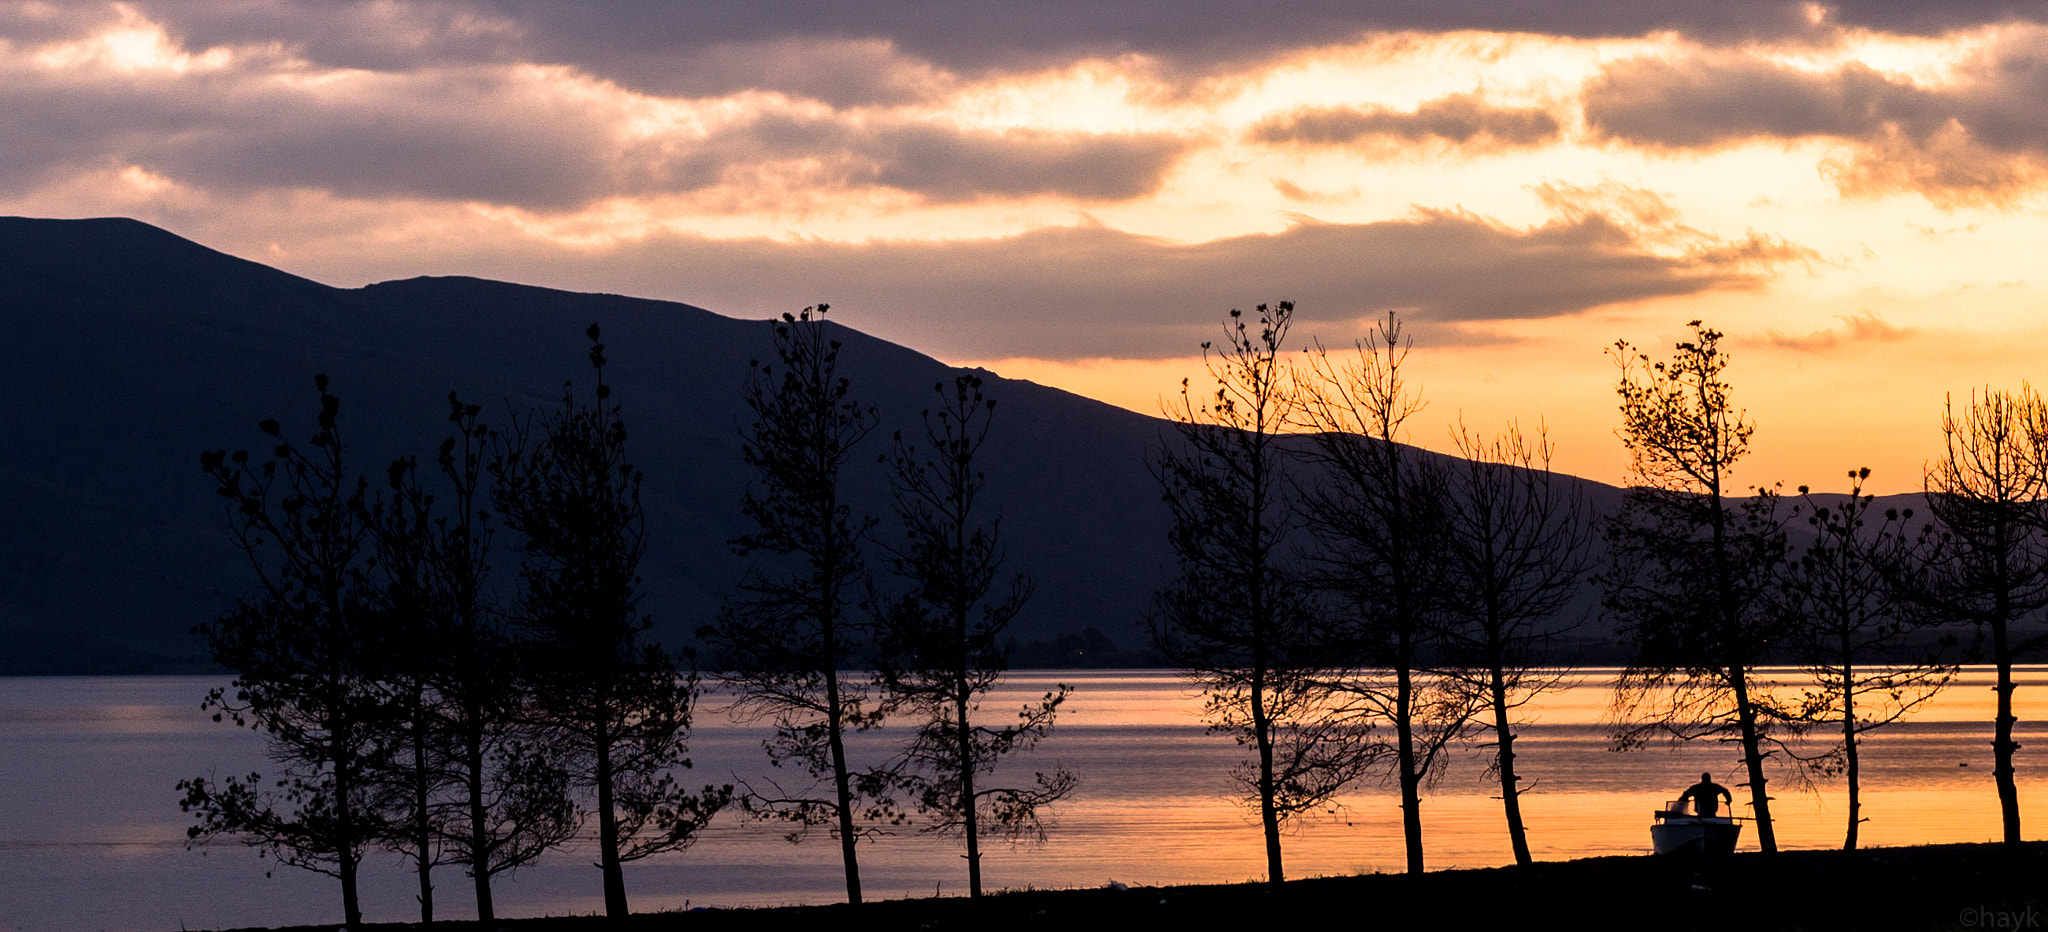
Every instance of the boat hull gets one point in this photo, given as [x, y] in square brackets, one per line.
[1695, 835]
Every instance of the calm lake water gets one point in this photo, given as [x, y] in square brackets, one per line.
[91, 836]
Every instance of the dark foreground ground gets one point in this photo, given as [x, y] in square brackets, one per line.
[1934, 887]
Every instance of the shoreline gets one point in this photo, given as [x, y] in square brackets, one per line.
[1956, 886]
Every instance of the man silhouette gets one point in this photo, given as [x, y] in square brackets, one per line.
[1706, 796]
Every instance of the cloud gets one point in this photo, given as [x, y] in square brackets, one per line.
[1086, 291]
[952, 165]
[1458, 119]
[892, 50]
[450, 135]
[535, 138]
[514, 103]
[1712, 99]
[1856, 328]
[937, 162]
[1651, 222]
[1980, 139]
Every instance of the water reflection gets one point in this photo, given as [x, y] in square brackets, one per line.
[101, 843]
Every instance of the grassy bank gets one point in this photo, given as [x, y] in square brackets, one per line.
[1932, 887]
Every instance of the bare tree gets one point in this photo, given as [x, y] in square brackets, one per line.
[1518, 541]
[475, 783]
[407, 778]
[1851, 634]
[1690, 570]
[785, 646]
[615, 706]
[301, 649]
[1238, 618]
[1375, 511]
[940, 654]
[1987, 563]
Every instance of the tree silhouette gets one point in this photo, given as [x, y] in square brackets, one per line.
[1376, 512]
[1518, 542]
[1850, 632]
[1987, 563]
[940, 654]
[301, 649]
[473, 779]
[1691, 572]
[407, 777]
[1237, 617]
[615, 707]
[786, 643]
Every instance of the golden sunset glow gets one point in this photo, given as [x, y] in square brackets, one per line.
[1854, 199]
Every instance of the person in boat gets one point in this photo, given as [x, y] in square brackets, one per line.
[1706, 796]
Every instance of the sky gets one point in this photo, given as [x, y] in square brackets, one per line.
[1077, 193]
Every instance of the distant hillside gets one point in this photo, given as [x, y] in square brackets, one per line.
[129, 350]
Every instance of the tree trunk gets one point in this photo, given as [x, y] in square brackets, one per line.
[2002, 744]
[1510, 791]
[841, 782]
[969, 810]
[479, 822]
[1849, 761]
[423, 830]
[1262, 733]
[351, 905]
[608, 834]
[1404, 732]
[1738, 674]
[346, 831]
[1753, 760]
[835, 713]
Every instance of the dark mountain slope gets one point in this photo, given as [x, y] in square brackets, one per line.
[130, 350]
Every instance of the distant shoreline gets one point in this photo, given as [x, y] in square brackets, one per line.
[1903, 888]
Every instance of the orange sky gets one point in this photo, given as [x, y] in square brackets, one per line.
[1075, 194]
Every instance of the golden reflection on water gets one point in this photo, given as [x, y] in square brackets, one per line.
[1925, 780]
[99, 756]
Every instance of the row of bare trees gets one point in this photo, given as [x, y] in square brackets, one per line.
[415, 707]
[816, 649]
[409, 706]
[1335, 583]
[1353, 606]
[1709, 586]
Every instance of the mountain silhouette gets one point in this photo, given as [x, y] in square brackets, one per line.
[130, 350]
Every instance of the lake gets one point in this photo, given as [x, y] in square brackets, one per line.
[91, 836]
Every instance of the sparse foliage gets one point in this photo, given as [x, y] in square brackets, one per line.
[473, 781]
[1376, 513]
[302, 650]
[613, 705]
[1851, 634]
[1985, 563]
[940, 653]
[786, 645]
[1691, 572]
[1517, 539]
[1238, 617]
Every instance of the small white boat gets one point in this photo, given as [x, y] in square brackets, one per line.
[1678, 830]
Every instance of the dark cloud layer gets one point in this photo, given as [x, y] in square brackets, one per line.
[945, 164]
[1984, 138]
[1460, 119]
[845, 52]
[1708, 101]
[456, 137]
[471, 135]
[434, 113]
[1085, 292]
